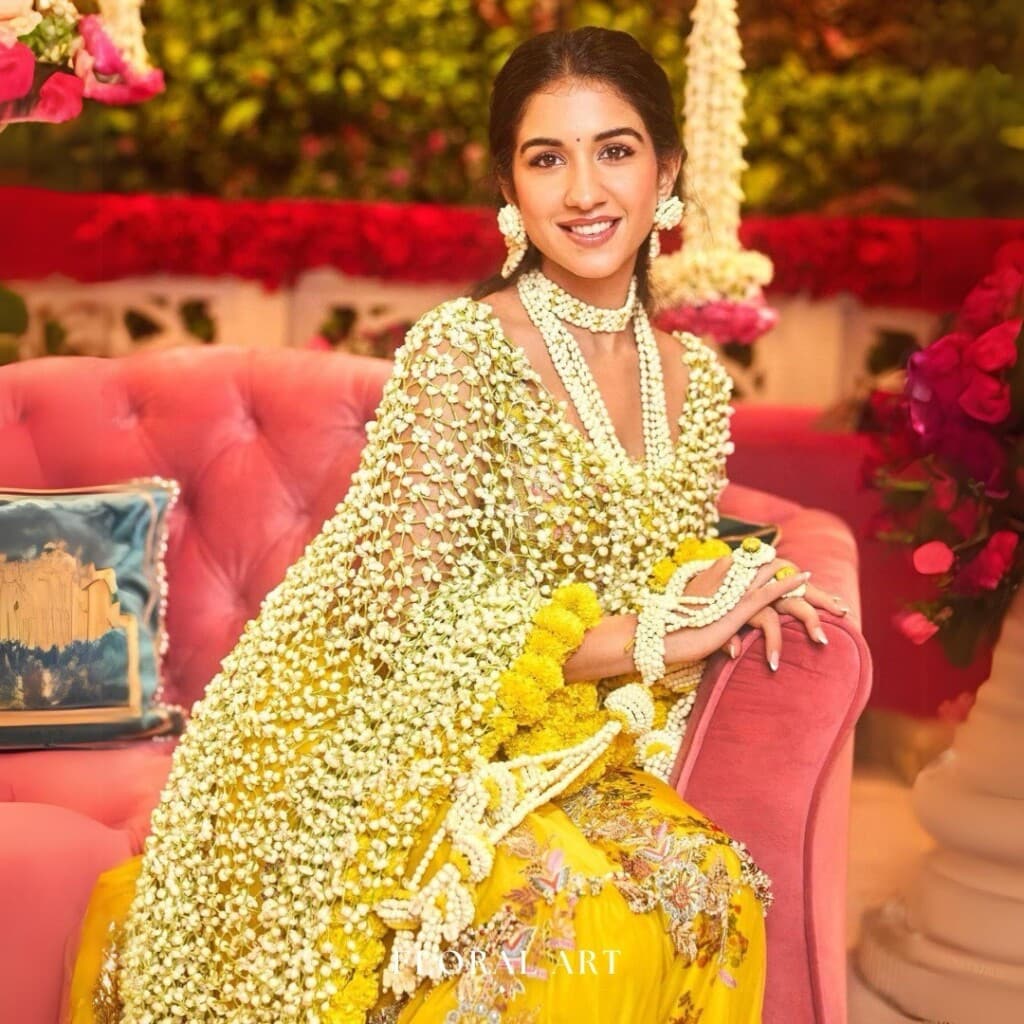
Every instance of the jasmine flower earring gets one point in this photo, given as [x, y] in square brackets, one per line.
[667, 214]
[510, 223]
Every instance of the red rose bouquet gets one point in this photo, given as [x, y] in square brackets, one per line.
[949, 461]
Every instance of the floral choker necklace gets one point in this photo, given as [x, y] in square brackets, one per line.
[582, 314]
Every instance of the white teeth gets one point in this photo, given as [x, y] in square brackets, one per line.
[591, 229]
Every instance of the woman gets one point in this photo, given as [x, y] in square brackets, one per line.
[428, 783]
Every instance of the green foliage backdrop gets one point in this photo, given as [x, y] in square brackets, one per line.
[901, 106]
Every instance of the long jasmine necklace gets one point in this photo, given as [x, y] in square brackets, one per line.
[548, 305]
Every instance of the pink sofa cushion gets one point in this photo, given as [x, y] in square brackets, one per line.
[263, 443]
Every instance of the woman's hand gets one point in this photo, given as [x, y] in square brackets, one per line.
[769, 621]
[688, 644]
[761, 608]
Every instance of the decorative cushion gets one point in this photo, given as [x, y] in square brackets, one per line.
[82, 602]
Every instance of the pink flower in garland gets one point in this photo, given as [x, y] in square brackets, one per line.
[915, 626]
[723, 320]
[60, 99]
[107, 75]
[17, 69]
[933, 558]
[989, 567]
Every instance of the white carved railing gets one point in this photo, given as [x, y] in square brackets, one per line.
[815, 356]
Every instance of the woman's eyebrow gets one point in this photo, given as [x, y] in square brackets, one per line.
[606, 134]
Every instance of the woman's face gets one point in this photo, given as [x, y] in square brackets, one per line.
[583, 153]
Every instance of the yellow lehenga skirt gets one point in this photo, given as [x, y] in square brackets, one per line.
[619, 904]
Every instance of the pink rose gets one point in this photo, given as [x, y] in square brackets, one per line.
[60, 99]
[17, 69]
[935, 378]
[915, 626]
[972, 446]
[988, 567]
[996, 349]
[964, 517]
[120, 81]
[986, 399]
[933, 557]
[993, 298]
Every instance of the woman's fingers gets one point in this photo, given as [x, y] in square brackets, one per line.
[802, 609]
[823, 599]
[707, 582]
[767, 620]
[766, 589]
[732, 646]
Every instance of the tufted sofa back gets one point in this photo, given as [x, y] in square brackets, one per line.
[263, 442]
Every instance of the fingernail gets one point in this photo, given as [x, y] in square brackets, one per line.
[732, 650]
[773, 661]
[819, 635]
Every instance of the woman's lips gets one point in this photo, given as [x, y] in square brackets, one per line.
[592, 241]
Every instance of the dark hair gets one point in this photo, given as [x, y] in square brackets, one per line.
[593, 54]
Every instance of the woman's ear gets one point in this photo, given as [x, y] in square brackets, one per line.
[668, 176]
[506, 193]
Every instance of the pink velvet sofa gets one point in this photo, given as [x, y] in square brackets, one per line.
[264, 443]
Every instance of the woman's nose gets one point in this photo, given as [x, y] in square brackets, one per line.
[584, 185]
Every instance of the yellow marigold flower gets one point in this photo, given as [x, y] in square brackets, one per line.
[714, 548]
[490, 743]
[580, 598]
[521, 697]
[660, 713]
[662, 571]
[545, 672]
[563, 623]
[357, 996]
[547, 644]
[656, 747]
[575, 698]
[686, 550]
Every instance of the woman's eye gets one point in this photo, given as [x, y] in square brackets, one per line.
[623, 150]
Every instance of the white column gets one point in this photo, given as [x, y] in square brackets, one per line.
[951, 949]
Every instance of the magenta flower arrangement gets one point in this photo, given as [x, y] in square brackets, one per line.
[52, 58]
[949, 462]
[726, 321]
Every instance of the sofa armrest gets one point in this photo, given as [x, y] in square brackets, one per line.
[768, 757]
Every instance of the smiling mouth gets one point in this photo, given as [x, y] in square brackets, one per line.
[594, 233]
